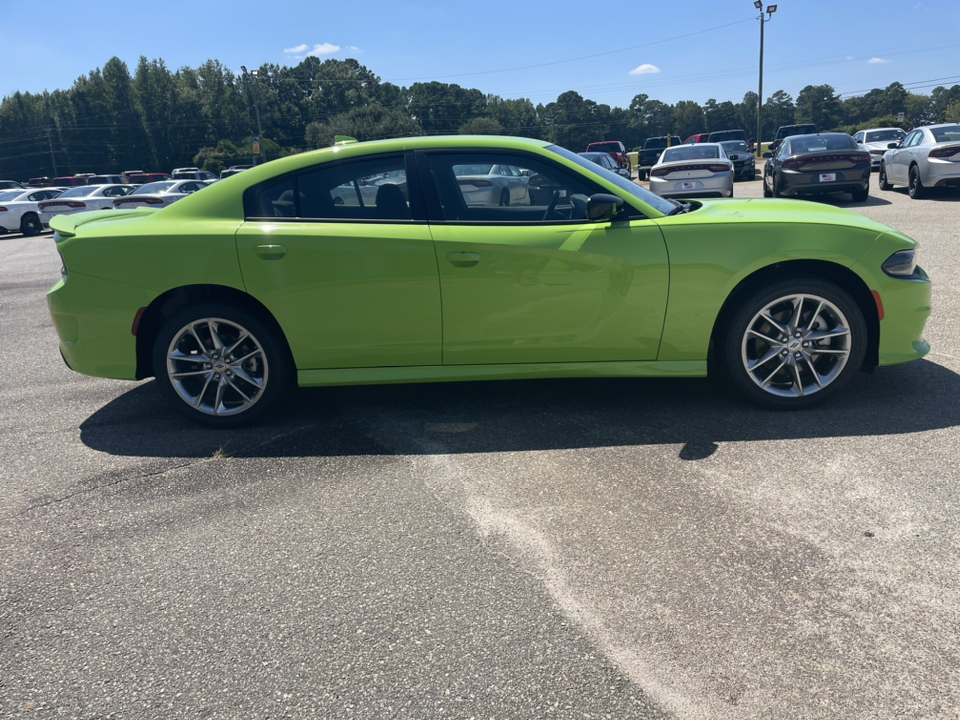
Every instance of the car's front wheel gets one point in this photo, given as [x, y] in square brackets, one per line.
[220, 365]
[794, 343]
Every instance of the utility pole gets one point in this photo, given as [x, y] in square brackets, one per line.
[771, 9]
[258, 141]
[52, 159]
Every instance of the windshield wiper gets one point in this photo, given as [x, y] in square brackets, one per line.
[680, 208]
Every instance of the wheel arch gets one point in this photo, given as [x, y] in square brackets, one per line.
[173, 301]
[843, 277]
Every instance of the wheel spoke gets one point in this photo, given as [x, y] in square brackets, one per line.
[215, 337]
[203, 391]
[768, 356]
[797, 382]
[246, 377]
[191, 373]
[243, 336]
[828, 351]
[797, 310]
[769, 377]
[772, 341]
[817, 335]
[813, 370]
[241, 393]
[766, 316]
[193, 332]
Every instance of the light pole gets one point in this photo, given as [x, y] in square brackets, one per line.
[256, 108]
[771, 9]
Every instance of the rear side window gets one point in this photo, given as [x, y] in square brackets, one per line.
[368, 189]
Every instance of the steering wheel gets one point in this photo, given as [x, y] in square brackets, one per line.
[552, 206]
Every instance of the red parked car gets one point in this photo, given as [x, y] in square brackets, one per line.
[698, 138]
[614, 148]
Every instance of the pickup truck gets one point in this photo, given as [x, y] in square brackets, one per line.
[614, 148]
[652, 148]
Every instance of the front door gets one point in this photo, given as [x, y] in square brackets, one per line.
[537, 282]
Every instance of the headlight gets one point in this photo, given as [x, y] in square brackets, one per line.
[901, 264]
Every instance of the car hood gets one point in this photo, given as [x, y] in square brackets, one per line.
[876, 145]
[752, 210]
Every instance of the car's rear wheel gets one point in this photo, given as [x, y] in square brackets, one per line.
[766, 190]
[220, 365]
[504, 197]
[861, 194]
[916, 189]
[30, 225]
[776, 190]
[794, 343]
[882, 179]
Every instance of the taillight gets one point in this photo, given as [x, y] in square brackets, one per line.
[709, 167]
[2, 209]
[476, 183]
[945, 152]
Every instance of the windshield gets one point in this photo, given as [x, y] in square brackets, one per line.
[700, 151]
[153, 188]
[655, 143]
[604, 147]
[735, 146]
[642, 194]
[885, 135]
[728, 135]
[79, 192]
[946, 134]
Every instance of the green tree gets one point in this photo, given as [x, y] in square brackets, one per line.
[481, 126]
[687, 118]
[820, 105]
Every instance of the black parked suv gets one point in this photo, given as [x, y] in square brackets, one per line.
[786, 131]
[652, 148]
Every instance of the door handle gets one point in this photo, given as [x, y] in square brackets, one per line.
[463, 259]
[271, 252]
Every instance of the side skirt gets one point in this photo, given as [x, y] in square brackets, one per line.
[525, 371]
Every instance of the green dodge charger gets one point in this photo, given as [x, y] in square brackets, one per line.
[472, 258]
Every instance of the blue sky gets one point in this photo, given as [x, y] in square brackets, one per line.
[608, 52]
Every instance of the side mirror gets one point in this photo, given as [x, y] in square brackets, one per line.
[768, 155]
[893, 146]
[602, 206]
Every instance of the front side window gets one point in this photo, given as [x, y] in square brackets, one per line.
[471, 188]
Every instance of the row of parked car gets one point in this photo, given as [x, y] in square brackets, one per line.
[802, 161]
[29, 210]
[127, 177]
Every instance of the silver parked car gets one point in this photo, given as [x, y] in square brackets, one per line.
[158, 194]
[605, 160]
[701, 170]
[82, 199]
[928, 157]
[876, 141]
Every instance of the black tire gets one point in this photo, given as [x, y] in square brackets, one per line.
[504, 197]
[213, 389]
[30, 225]
[882, 179]
[861, 195]
[776, 190]
[916, 188]
[766, 191]
[777, 365]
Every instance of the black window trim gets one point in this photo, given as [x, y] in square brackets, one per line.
[414, 193]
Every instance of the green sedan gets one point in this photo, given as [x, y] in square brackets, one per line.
[375, 262]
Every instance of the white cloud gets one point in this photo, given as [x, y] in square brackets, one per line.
[850, 57]
[877, 61]
[318, 50]
[645, 69]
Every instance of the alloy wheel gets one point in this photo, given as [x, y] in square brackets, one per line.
[796, 345]
[217, 367]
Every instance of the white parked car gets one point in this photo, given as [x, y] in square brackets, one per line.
[82, 199]
[492, 185]
[876, 141]
[700, 170]
[192, 173]
[18, 209]
[158, 194]
[928, 157]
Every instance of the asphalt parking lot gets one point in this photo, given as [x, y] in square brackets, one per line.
[546, 549]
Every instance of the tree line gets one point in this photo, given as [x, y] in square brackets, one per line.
[157, 119]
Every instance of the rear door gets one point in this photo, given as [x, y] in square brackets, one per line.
[350, 276]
